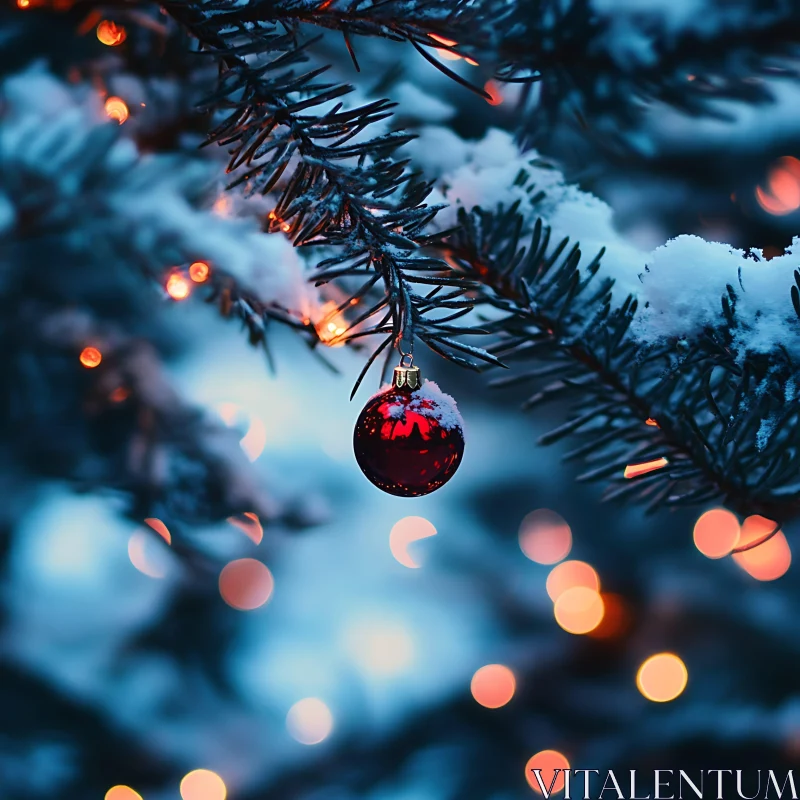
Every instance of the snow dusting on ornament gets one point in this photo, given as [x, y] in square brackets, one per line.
[409, 439]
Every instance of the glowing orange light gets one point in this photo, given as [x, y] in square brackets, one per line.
[23, 3]
[716, 533]
[250, 526]
[579, 610]
[635, 470]
[160, 528]
[768, 561]
[199, 271]
[662, 677]
[203, 784]
[442, 40]
[492, 88]
[309, 721]
[119, 395]
[246, 584]
[550, 766]
[331, 326]
[447, 55]
[286, 227]
[783, 193]
[569, 574]
[545, 537]
[110, 33]
[471, 61]
[616, 618]
[651, 422]
[91, 357]
[122, 793]
[178, 288]
[406, 531]
[222, 206]
[271, 215]
[116, 109]
[493, 686]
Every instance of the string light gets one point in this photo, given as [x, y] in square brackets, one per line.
[116, 109]
[635, 470]
[492, 88]
[199, 271]
[662, 677]
[178, 288]
[111, 34]
[91, 357]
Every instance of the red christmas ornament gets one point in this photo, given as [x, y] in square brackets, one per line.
[409, 438]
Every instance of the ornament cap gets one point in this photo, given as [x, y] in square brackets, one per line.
[407, 377]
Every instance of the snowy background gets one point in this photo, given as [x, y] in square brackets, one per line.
[121, 662]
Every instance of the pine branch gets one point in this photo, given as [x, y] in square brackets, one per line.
[339, 188]
[690, 403]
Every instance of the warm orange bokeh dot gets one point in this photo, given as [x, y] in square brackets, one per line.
[716, 533]
[91, 357]
[122, 793]
[569, 574]
[110, 33]
[782, 195]
[545, 537]
[246, 584]
[119, 395]
[662, 677]
[546, 762]
[178, 287]
[250, 525]
[117, 109]
[768, 561]
[579, 610]
[493, 685]
[159, 527]
[203, 784]
[199, 271]
[23, 3]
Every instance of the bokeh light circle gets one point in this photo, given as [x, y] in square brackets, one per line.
[309, 721]
[579, 610]
[768, 561]
[246, 584]
[122, 793]
[662, 677]
[545, 537]
[568, 575]
[716, 533]
[493, 686]
[547, 762]
[203, 784]
[91, 357]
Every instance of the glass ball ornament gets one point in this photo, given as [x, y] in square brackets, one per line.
[409, 438]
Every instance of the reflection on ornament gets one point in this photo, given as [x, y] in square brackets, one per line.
[409, 438]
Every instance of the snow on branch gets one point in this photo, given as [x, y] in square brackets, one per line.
[681, 364]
